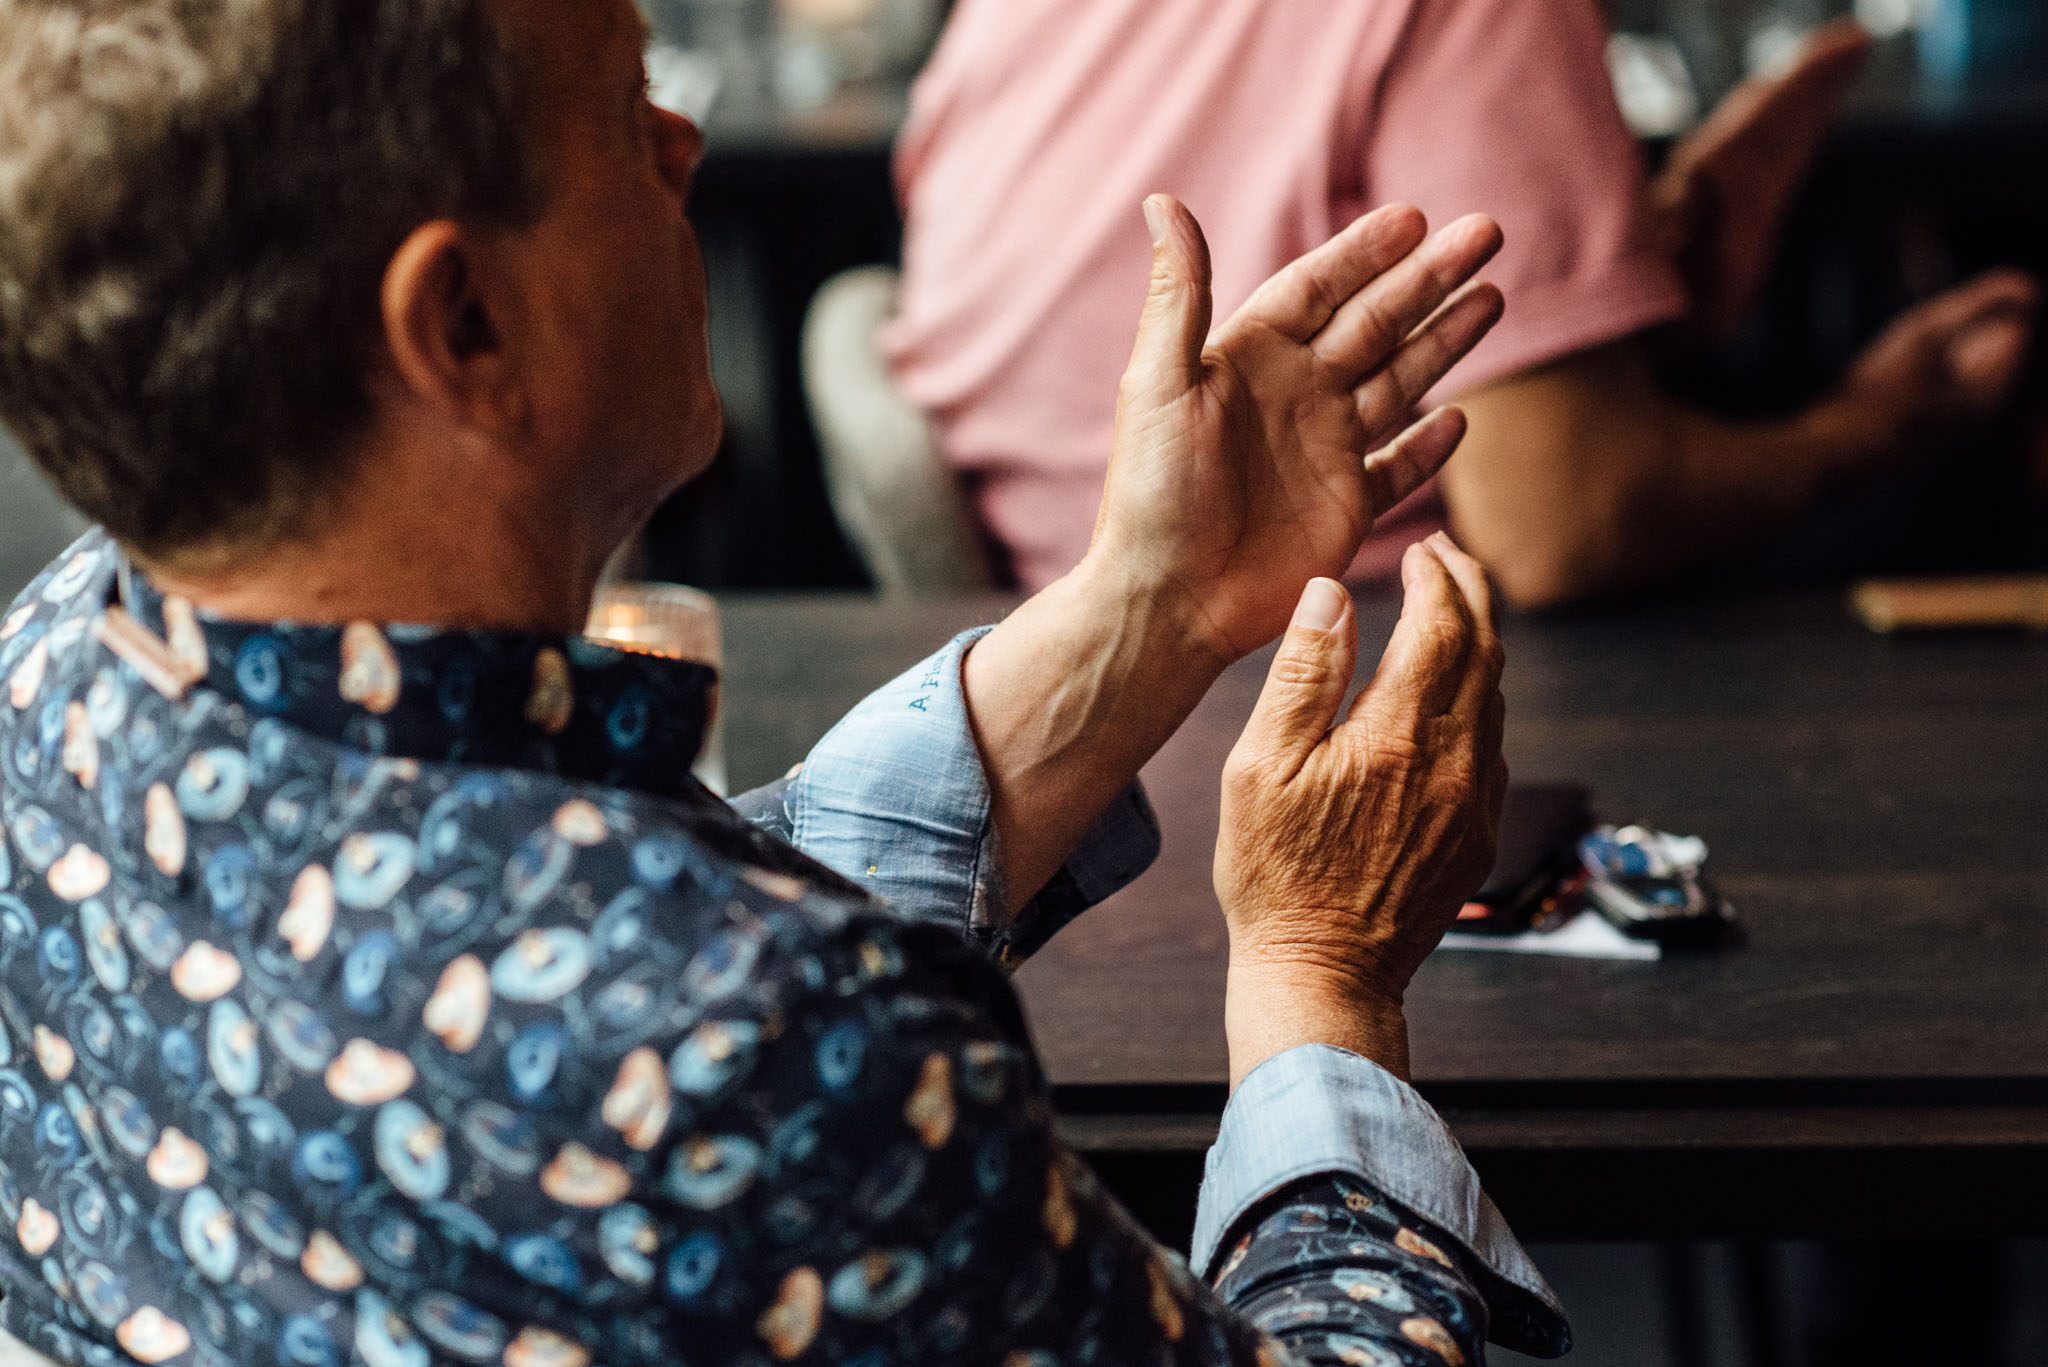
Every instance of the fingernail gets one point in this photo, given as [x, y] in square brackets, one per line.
[1322, 605]
[1441, 542]
[1155, 219]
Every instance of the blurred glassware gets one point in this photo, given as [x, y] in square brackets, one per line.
[765, 55]
[1720, 43]
[704, 51]
[712, 24]
[682, 624]
[1891, 18]
[1652, 85]
[824, 45]
[1773, 46]
[1964, 38]
[684, 80]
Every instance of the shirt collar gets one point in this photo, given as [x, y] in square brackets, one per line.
[569, 706]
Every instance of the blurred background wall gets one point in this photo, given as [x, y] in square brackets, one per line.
[34, 523]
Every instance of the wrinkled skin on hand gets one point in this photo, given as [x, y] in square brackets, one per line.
[1347, 847]
[1247, 462]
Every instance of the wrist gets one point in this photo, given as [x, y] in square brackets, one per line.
[1067, 699]
[1855, 427]
[1276, 1001]
[1175, 622]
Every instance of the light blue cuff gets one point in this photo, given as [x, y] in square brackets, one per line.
[1316, 1109]
[895, 797]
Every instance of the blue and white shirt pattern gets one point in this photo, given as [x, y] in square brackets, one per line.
[394, 996]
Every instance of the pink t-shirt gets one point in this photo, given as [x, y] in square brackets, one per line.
[1040, 126]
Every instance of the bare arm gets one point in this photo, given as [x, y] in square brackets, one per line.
[1584, 477]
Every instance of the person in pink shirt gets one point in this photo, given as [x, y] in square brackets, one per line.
[1040, 125]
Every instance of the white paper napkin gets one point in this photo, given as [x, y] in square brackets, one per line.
[1588, 935]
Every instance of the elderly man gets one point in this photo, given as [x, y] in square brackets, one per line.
[376, 983]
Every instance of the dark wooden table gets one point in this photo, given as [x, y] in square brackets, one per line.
[1873, 1060]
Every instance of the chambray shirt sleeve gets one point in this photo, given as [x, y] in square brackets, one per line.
[895, 798]
[1315, 1113]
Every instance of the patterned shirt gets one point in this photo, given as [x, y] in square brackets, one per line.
[394, 996]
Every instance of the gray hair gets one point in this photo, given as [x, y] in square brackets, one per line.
[198, 200]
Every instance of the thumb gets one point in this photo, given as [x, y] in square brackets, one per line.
[1985, 356]
[1306, 685]
[1985, 361]
[1175, 324]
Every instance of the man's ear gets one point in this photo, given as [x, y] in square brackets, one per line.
[445, 331]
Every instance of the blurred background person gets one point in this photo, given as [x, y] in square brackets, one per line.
[1038, 122]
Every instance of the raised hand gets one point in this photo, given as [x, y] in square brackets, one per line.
[1249, 461]
[1347, 847]
[1717, 204]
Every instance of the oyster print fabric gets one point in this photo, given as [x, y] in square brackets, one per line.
[392, 997]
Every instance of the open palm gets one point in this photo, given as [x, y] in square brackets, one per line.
[1249, 461]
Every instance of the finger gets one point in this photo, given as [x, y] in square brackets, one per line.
[1994, 294]
[1984, 360]
[1484, 662]
[1308, 679]
[1400, 467]
[1373, 323]
[1785, 108]
[1835, 52]
[1725, 188]
[1300, 301]
[1390, 393]
[1976, 332]
[1473, 582]
[1424, 662]
[1175, 323]
[1827, 60]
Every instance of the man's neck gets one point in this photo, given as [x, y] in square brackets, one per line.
[476, 567]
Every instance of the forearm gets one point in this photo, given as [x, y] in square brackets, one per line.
[1068, 698]
[1585, 478]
